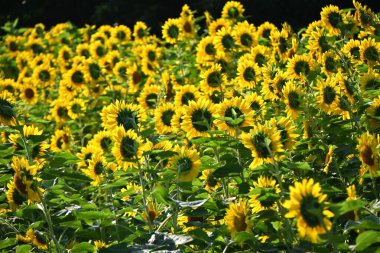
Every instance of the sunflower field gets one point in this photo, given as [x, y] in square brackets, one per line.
[219, 136]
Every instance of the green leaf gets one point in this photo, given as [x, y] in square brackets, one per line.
[366, 239]
[371, 222]
[7, 243]
[83, 247]
[228, 170]
[23, 248]
[300, 166]
[347, 206]
[243, 236]
[93, 215]
[62, 158]
[160, 194]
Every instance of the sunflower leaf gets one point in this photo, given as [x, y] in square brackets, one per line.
[366, 239]
[347, 206]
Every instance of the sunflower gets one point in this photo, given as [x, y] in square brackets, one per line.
[263, 141]
[14, 197]
[76, 108]
[299, 66]
[216, 25]
[364, 16]
[23, 60]
[77, 77]
[261, 55]
[352, 50]
[38, 239]
[64, 57]
[224, 41]
[206, 50]
[134, 78]
[267, 185]
[244, 35]
[13, 44]
[367, 148]
[121, 33]
[256, 104]
[121, 113]
[172, 30]
[370, 81]
[287, 132]
[293, 98]
[7, 112]
[330, 63]
[120, 71]
[332, 19]
[237, 217]
[163, 116]
[85, 155]
[149, 97]
[328, 97]
[233, 10]
[213, 79]
[318, 42]
[35, 46]
[186, 163]
[211, 183]
[83, 49]
[97, 164]
[60, 111]
[61, 140]
[93, 70]
[29, 92]
[98, 50]
[198, 118]
[140, 31]
[153, 213]
[102, 140]
[248, 74]
[128, 147]
[44, 75]
[307, 204]
[370, 51]
[265, 30]
[235, 108]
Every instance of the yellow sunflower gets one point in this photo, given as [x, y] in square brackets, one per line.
[299, 66]
[244, 34]
[237, 217]
[98, 50]
[211, 183]
[198, 118]
[370, 51]
[102, 140]
[122, 113]
[263, 141]
[172, 30]
[328, 97]
[330, 63]
[370, 81]
[14, 197]
[97, 164]
[233, 10]
[317, 42]
[352, 50]
[235, 108]
[224, 41]
[149, 97]
[293, 98]
[29, 93]
[367, 147]
[44, 75]
[206, 50]
[83, 49]
[140, 31]
[257, 104]
[261, 55]
[163, 116]
[332, 19]
[248, 74]
[61, 140]
[121, 33]
[128, 147]
[265, 30]
[77, 77]
[363, 16]
[307, 204]
[7, 112]
[185, 164]
[287, 132]
[267, 185]
[13, 44]
[213, 79]
[38, 239]
[59, 110]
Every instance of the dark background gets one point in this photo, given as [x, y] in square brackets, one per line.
[298, 13]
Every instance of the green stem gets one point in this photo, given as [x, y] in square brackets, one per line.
[144, 195]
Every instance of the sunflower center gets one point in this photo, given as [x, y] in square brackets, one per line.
[201, 120]
[94, 71]
[77, 77]
[136, 77]
[166, 117]
[283, 134]
[330, 64]
[233, 12]
[152, 55]
[377, 111]
[100, 51]
[367, 156]
[261, 146]
[85, 53]
[76, 108]
[140, 33]
[283, 45]
[59, 143]
[37, 48]
[239, 222]
[87, 157]
[211, 180]
[21, 187]
[152, 215]
[184, 165]
[99, 168]
[355, 52]
[260, 59]
[187, 97]
[365, 18]
[334, 19]
[173, 31]
[128, 148]
[29, 93]
[187, 27]
[329, 95]
[214, 79]
[309, 207]
[44, 75]
[294, 100]
[266, 33]
[246, 40]
[105, 143]
[62, 112]
[151, 100]
[249, 74]
[255, 106]
[301, 67]
[280, 84]
[121, 35]
[18, 198]
[122, 71]
[234, 113]
[210, 49]
[127, 119]
[216, 97]
[322, 42]
[371, 53]
[13, 46]
[227, 41]
[66, 55]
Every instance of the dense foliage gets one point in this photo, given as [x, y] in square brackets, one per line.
[233, 138]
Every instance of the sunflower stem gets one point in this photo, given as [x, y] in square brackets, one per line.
[24, 140]
[144, 195]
